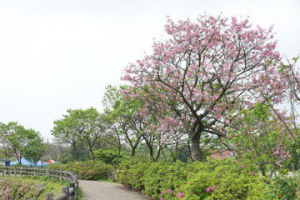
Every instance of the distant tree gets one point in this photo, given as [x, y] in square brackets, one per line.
[67, 131]
[35, 149]
[23, 142]
[4, 143]
[80, 125]
[259, 135]
[124, 115]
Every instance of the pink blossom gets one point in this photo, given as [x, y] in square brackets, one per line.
[213, 188]
[170, 191]
[236, 161]
[207, 189]
[242, 166]
[180, 194]
[252, 173]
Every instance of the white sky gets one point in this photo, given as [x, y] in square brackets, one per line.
[60, 54]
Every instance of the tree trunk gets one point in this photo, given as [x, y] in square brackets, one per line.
[151, 151]
[132, 151]
[75, 151]
[196, 152]
[119, 149]
[92, 153]
[158, 154]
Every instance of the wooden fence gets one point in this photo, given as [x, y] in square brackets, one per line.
[68, 193]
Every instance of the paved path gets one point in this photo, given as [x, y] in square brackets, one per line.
[102, 190]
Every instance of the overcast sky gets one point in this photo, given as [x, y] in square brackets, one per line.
[60, 54]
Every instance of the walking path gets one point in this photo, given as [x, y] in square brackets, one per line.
[102, 190]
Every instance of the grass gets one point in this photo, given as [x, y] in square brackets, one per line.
[51, 185]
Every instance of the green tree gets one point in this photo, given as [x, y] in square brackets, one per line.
[123, 115]
[80, 125]
[23, 142]
[35, 149]
[5, 146]
[258, 135]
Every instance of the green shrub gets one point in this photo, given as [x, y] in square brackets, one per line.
[213, 179]
[88, 170]
[131, 172]
[286, 187]
[107, 156]
[162, 176]
[224, 180]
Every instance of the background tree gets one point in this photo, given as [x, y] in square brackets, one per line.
[77, 126]
[5, 145]
[35, 149]
[21, 141]
[67, 131]
[292, 72]
[260, 136]
[207, 72]
[125, 116]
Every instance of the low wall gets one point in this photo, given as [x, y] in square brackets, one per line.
[68, 193]
[11, 190]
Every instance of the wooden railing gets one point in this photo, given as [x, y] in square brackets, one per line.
[68, 193]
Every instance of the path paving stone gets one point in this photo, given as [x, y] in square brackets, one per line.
[102, 190]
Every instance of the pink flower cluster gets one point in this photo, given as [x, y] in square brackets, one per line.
[210, 189]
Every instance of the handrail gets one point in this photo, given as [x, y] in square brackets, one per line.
[68, 193]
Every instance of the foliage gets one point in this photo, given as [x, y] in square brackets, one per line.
[21, 141]
[107, 156]
[88, 170]
[79, 125]
[259, 135]
[213, 179]
[205, 73]
[286, 186]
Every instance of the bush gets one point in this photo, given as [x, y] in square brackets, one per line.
[130, 172]
[107, 156]
[213, 179]
[88, 170]
[286, 187]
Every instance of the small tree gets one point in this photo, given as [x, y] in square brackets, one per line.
[23, 142]
[35, 149]
[260, 136]
[80, 124]
[124, 117]
[5, 145]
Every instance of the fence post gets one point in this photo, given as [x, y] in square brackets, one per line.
[61, 173]
[57, 175]
[49, 196]
[76, 188]
[65, 190]
[72, 194]
[15, 170]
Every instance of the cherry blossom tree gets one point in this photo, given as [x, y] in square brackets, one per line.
[206, 72]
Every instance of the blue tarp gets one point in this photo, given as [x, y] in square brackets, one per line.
[28, 163]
